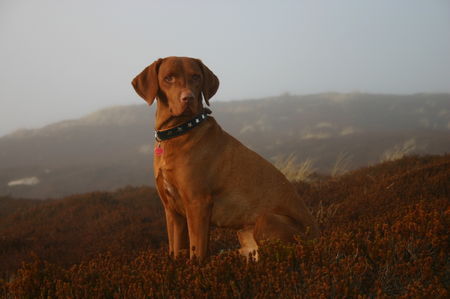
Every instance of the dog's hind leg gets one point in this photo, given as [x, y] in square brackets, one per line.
[248, 242]
[276, 227]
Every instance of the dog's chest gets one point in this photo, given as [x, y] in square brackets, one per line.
[170, 194]
[174, 197]
[167, 185]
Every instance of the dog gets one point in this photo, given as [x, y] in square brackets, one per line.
[206, 177]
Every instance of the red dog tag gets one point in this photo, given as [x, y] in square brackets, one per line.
[158, 151]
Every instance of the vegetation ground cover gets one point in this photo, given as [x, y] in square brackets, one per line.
[384, 233]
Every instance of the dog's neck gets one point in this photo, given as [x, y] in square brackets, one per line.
[184, 128]
[165, 120]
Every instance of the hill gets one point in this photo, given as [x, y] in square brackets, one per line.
[112, 148]
[384, 233]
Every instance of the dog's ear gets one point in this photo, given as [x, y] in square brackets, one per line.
[210, 83]
[146, 83]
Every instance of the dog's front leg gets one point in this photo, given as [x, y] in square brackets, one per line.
[198, 213]
[176, 231]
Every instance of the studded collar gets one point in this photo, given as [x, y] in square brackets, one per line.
[161, 135]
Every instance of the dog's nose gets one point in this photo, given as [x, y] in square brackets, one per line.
[186, 96]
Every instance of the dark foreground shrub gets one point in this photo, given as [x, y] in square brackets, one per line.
[407, 258]
[385, 233]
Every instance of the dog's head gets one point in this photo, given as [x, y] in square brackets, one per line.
[178, 83]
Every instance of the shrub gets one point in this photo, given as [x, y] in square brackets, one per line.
[384, 233]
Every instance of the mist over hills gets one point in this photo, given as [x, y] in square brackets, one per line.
[113, 147]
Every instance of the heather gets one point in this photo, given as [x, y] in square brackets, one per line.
[384, 234]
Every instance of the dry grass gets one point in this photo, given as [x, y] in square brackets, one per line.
[293, 171]
[342, 164]
[399, 151]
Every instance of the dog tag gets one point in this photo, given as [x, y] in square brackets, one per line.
[158, 151]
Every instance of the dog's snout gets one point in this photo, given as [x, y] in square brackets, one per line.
[186, 96]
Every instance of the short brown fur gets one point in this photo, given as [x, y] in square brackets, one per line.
[206, 177]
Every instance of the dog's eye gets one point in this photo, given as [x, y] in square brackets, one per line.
[196, 77]
[169, 79]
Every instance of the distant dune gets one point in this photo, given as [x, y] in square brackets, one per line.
[112, 147]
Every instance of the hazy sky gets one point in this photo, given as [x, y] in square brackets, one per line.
[62, 59]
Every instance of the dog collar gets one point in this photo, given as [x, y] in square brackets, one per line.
[183, 128]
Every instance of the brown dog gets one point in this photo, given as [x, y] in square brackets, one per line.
[204, 176]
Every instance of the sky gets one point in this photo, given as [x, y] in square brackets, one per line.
[62, 59]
